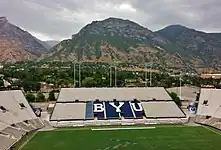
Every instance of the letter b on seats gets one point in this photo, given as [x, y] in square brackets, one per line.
[98, 108]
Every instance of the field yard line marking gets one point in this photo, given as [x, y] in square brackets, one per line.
[27, 141]
[172, 126]
[212, 130]
[109, 129]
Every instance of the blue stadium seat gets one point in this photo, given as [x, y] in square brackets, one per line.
[89, 111]
[127, 112]
[138, 114]
[111, 111]
[100, 115]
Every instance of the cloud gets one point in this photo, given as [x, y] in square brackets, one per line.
[125, 7]
[199, 14]
[59, 19]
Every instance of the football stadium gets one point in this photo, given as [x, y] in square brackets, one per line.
[111, 118]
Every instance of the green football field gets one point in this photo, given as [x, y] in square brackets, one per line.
[158, 138]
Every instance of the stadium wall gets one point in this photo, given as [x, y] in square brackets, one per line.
[208, 125]
[91, 123]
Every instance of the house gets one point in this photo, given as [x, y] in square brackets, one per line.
[45, 87]
[213, 76]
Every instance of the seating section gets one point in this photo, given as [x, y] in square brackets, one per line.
[115, 106]
[127, 111]
[16, 118]
[111, 111]
[68, 111]
[8, 118]
[138, 110]
[24, 126]
[108, 94]
[162, 109]
[209, 108]
[37, 123]
[6, 142]
[100, 114]
[115, 110]
[89, 111]
[14, 131]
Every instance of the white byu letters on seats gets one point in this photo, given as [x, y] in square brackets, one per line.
[100, 107]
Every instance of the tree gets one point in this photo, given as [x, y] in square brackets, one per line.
[51, 96]
[175, 98]
[89, 82]
[40, 97]
[1, 82]
[30, 97]
[31, 85]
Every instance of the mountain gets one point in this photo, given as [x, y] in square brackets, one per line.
[204, 47]
[17, 44]
[44, 44]
[51, 43]
[115, 39]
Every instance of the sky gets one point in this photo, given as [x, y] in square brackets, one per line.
[59, 19]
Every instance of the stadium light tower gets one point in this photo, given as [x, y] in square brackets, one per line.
[74, 76]
[115, 75]
[110, 75]
[151, 75]
[79, 74]
[180, 85]
[145, 75]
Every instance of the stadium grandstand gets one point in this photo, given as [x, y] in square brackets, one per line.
[209, 108]
[16, 118]
[115, 106]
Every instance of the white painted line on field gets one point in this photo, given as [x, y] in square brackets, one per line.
[219, 133]
[27, 140]
[109, 129]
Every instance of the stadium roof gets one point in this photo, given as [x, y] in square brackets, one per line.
[210, 103]
[67, 111]
[162, 109]
[108, 94]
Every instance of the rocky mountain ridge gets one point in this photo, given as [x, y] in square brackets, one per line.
[205, 47]
[116, 39]
[17, 44]
[51, 43]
